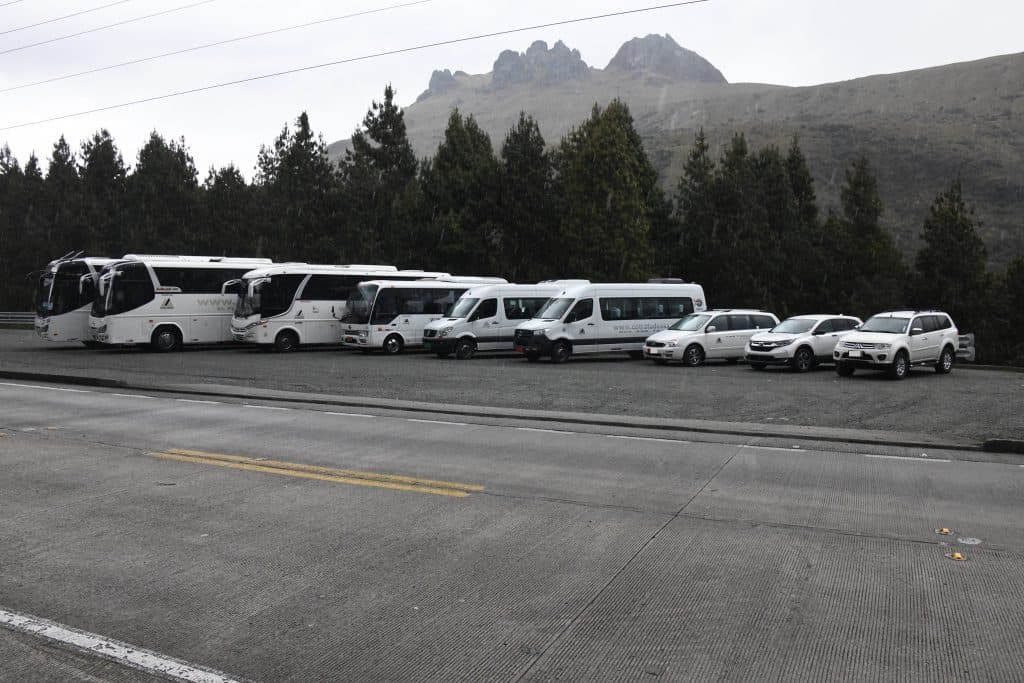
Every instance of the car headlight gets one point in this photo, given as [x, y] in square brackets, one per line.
[883, 347]
[672, 343]
[784, 342]
[445, 332]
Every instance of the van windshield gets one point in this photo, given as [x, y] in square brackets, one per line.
[461, 308]
[554, 309]
[691, 323]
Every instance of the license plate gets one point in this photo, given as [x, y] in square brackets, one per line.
[652, 352]
[855, 354]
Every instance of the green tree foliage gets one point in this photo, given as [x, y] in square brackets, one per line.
[951, 264]
[230, 218]
[605, 180]
[527, 207]
[299, 196]
[685, 250]
[163, 198]
[103, 174]
[460, 201]
[377, 173]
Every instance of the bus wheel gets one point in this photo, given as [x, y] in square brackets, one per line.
[286, 341]
[166, 339]
[560, 352]
[393, 344]
[465, 349]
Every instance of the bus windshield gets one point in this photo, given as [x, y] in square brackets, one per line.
[249, 300]
[357, 309]
[554, 309]
[65, 290]
[43, 303]
[461, 308]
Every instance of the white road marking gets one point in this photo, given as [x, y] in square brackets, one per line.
[546, 431]
[437, 422]
[246, 405]
[905, 457]
[787, 449]
[114, 650]
[195, 400]
[133, 396]
[644, 438]
[36, 386]
[350, 414]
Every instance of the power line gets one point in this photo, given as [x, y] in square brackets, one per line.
[209, 45]
[349, 60]
[66, 16]
[103, 28]
[12, 2]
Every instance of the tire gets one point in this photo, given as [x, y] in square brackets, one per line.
[693, 356]
[636, 355]
[166, 339]
[560, 352]
[286, 341]
[900, 366]
[946, 360]
[803, 359]
[845, 369]
[758, 366]
[393, 345]
[532, 356]
[464, 349]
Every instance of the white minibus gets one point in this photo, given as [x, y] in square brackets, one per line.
[292, 304]
[601, 318]
[64, 294]
[168, 301]
[390, 315]
[485, 318]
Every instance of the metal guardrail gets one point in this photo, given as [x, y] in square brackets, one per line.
[966, 350]
[17, 317]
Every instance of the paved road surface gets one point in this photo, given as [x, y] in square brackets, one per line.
[300, 544]
[968, 404]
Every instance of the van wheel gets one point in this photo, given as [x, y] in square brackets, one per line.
[166, 339]
[465, 349]
[693, 356]
[900, 365]
[393, 344]
[560, 352]
[946, 359]
[803, 359]
[286, 341]
[845, 369]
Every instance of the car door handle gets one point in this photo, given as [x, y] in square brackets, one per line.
[590, 324]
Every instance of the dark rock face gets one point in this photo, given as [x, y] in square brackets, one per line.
[663, 56]
[539, 65]
[440, 82]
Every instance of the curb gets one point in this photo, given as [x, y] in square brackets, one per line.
[1004, 446]
[753, 430]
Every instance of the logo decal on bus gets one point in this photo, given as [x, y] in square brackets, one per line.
[167, 304]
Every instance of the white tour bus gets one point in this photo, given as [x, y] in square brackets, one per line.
[485, 317]
[167, 301]
[290, 304]
[391, 315]
[64, 295]
[602, 318]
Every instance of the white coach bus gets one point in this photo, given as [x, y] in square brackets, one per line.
[292, 304]
[391, 316]
[64, 295]
[168, 301]
[485, 318]
[604, 318]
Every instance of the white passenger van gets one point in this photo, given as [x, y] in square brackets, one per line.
[711, 334]
[289, 304]
[168, 301]
[485, 318]
[601, 318]
[391, 316]
[65, 291]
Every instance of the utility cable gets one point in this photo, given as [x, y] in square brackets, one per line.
[66, 16]
[105, 27]
[12, 2]
[349, 60]
[209, 45]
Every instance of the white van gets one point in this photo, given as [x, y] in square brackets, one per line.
[485, 318]
[600, 318]
[721, 334]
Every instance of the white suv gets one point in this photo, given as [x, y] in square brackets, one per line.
[896, 340]
[800, 342]
[711, 334]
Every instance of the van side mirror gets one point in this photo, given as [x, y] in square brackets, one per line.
[711, 328]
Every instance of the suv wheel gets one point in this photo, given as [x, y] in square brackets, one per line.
[946, 359]
[803, 359]
[693, 356]
[845, 369]
[900, 365]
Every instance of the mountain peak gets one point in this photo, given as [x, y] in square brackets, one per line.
[663, 56]
[539, 65]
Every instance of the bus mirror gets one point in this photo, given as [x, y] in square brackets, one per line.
[232, 287]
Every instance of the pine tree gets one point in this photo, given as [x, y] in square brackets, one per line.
[163, 194]
[229, 216]
[103, 175]
[687, 251]
[951, 264]
[808, 244]
[12, 184]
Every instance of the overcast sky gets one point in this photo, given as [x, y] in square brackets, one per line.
[788, 42]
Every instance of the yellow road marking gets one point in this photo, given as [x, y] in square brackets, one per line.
[340, 476]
